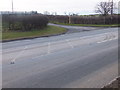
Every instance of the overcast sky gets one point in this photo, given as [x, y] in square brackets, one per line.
[59, 6]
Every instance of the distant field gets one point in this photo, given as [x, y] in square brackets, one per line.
[49, 30]
[92, 25]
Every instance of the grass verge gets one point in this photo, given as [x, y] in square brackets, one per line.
[48, 31]
[91, 25]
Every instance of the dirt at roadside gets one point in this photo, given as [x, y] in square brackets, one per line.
[115, 85]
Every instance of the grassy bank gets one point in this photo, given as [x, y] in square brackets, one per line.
[49, 30]
[92, 25]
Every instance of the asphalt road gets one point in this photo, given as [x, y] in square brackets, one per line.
[78, 60]
[76, 29]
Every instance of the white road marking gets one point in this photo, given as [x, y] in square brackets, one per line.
[108, 37]
[49, 48]
[107, 40]
[93, 36]
[102, 41]
[13, 61]
[68, 41]
[38, 56]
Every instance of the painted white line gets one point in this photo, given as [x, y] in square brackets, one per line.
[110, 39]
[48, 48]
[38, 56]
[18, 55]
[107, 40]
[102, 41]
[94, 35]
[68, 41]
[114, 38]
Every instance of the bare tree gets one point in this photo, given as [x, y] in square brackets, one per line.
[46, 13]
[65, 13]
[105, 8]
[54, 13]
[75, 14]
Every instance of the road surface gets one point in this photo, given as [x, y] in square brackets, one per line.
[76, 29]
[77, 60]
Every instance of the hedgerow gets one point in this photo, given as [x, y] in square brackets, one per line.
[114, 19]
[24, 22]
